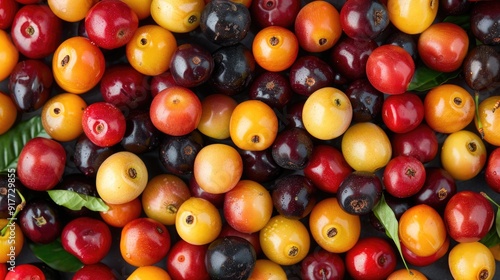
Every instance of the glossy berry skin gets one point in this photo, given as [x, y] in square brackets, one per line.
[406, 41]
[78, 65]
[468, 216]
[309, 73]
[30, 84]
[422, 230]
[174, 106]
[359, 192]
[389, 69]
[454, 7]
[275, 12]
[484, 18]
[492, 169]
[41, 156]
[417, 260]
[15, 199]
[8, 10]
[253, 237]
[260, 166]
[421, 143]
[95, 271]
[439, 187]
[403, 112]
[177, 153]
[364, 19]
[125, 87]
[140, 135]
[191, 65]
[349, 57]
[327, 168]
[104, 124]
[120, 24]
[161, 81]
[187, 261]
[230, 257]
[481, 67]
[217, 199]
[25, 271]
[292, 148]
[272, 88]
[294, 196]
[404, 176]
[36, 31]
[150, 49]
[225, 23]
[40, 221]
[86, 238]
[275, 48]
[372, 258]
[322, 264]
[144, 242]
[317, 26]
[366, 101]
[89, 156]
[443, 46]
[226, 77]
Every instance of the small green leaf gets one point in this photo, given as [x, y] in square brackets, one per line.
[388, 219]
[425, 78]
[460, 20]
[491, 238]
[75, 201]
[54, 255]
[497, 222]
[13, 141]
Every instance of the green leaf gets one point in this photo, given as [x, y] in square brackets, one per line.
[75, 201]
[491, 238]
[497, 222]
[460, 20]
[425, 78]
[13, 141]
[54, 255]
[388, 219]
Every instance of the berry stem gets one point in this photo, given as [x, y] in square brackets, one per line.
[489, 198]
[19, 207]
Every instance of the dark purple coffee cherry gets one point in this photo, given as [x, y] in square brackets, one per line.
[310, 73]
[292, 148]
[88, 156]
[359, 192]
[260, 166]
[234, 69]
[485, 22]
[191, 65]
[177, 153]
[366, 101]
[294, 196]
[231, 258]
[40, 222]
[349, 57]
[140, 135]
[272, 88]
[225, 23]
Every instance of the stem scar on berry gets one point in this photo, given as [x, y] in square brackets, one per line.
[65, 60]
[332, 232]
[132, 173]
